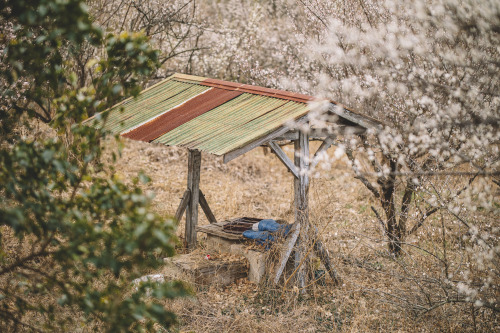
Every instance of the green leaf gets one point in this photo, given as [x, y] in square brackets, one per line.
[59, 195]
[47, 155]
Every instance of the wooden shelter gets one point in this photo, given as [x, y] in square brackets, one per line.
[230, 119]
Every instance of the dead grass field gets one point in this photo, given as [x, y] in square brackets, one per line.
[375, 295]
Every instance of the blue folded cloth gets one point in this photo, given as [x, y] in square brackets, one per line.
[268, 231]
[269, 225]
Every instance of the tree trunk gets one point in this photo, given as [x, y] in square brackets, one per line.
[387, 200]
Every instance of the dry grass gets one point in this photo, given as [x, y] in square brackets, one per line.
[378, 293]
[258, 185]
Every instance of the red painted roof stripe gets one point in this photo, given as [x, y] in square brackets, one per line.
[257, 90]
[183, 113]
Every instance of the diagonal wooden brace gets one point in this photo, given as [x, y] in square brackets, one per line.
[206, 209]
[284, 158]
[183, 205]
[324, 147]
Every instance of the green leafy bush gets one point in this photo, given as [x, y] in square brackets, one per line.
[73, 236]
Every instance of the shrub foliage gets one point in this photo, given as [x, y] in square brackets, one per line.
[73, 236]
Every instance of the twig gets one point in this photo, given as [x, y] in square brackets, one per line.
[384, 229]
[360, 176]
[422, 220]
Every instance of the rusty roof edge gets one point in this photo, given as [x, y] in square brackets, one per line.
[162, 113]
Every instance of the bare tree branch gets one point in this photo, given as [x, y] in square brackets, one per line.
[359, 175]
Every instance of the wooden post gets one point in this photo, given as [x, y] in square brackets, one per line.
[193, 184]
[301, 191]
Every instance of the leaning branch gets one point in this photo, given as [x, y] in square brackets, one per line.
[359, 175]
[422, 220]
[379, 220]
[21, 262]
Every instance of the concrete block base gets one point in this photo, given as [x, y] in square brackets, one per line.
[194, 269]
[256, 261]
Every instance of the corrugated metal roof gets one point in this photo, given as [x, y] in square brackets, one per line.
[182, 114]
[209, 115]
[235, 123]
[150, 104]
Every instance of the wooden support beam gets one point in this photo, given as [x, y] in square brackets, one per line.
[324, 147]
[277, 132]
[183, 205]
[362, 121]
[301, 188]
[301, 224]
[193, 184]
[206, 209]
[283, 158]
[301, 193]
[314, 133]
[321, 133]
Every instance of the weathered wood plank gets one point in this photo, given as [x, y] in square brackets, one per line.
[183, 205]
[283, 158]
[290, 135]
[193, 184]
[321, 133]
[277, 132]
[314, 134]
[216, 230]
[363, 121]
[287, 250]
[206, 209]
